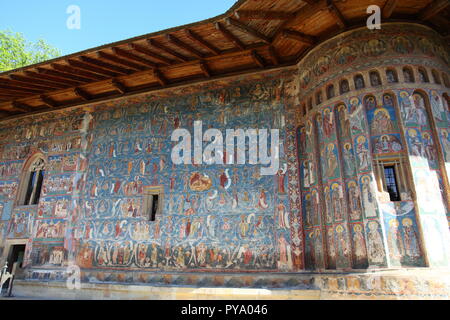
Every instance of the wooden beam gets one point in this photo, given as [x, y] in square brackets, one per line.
[205, 69]
[91, 68]
[52, 79]
[50, 84]
[160, 77]
[389, 8]
[151, 54]
[300, 37]
[258, 60]
[78, 72]
[247, 29]
[274, 55]
[161, 47]
[105, 65]
[131, 56]
[184, 46]
[19, 85]
[22, 107]
[63, 75]
[199, 40]
[48, 101]
[310, 2]
[6, 113]
[11, 96]
[82, 94]
[340, 20]
[433, 9]
[13, 89]
[119, 86]
[228, 35]
[128, 64]
[262, 15]
[24, 84]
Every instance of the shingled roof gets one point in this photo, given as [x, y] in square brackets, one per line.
[253, 35]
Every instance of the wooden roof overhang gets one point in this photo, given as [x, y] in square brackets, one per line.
[253, 35]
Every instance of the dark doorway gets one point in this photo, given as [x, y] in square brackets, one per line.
[16, 253]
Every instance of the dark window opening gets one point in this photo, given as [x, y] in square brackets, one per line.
[154, 207]
[30, 187]
[37, 193]
[391, 183]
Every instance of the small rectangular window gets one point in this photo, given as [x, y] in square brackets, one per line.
[152, 202]
[392, 178]
[391, 183]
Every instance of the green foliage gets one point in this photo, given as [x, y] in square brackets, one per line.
[17, 52]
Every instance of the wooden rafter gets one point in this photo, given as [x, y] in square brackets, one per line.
[262, 15]
[63, 75]
[77, 72]
[48, 101]
[247, 29]
[205, 69]
[160, 77]
[151, 54]
[202, 42]
[115, 59]
[19, 90]
[184, 46]
[300, 37]
[433, 9]
[6, 113]
[274, 55]
[165, 49]
[119, 86]
[104, 65]
[24, 84]
[82, 94]
[340, 20]
[22, 107]
[131, 56]
[91, 68]
[52, 79]
[47, 83]
[389, 8]
[257, 59]
[228, 35]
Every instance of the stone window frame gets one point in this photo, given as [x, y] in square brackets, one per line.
[148, 194]
[36, 163]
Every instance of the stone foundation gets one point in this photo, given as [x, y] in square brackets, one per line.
[391, 285]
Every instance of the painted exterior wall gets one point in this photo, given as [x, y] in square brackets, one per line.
[323, 210]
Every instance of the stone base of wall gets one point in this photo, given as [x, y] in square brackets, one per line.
[393, 284]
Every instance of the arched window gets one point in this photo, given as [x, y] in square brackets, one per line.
[375, 79]
[319, 97]
[423, 76]
[446, 81]
[344, 86]
[391, 76]
[359, 82]
[330, 91]
[31, 184]
[436, 77]
[408, 75]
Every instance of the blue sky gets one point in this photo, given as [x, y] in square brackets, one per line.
[102, 21]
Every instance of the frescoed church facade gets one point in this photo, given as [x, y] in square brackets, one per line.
[362, 185]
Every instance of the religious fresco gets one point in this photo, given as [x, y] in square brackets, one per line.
[322, 210]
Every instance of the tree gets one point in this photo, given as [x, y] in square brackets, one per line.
[17, 52]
